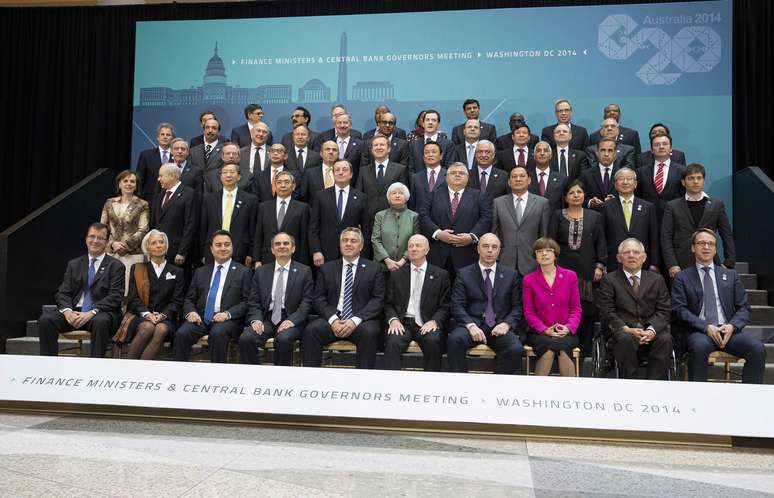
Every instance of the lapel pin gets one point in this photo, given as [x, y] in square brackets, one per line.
[295, 270]
[354, 197]
[709, 202]
[502, 275]
[233, 267]
[724, 277]
[362, 265]
[431, 277]
[639, 207]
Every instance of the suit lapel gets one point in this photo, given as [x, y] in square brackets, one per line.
[636, 213]
[628, 285]
[267, 282]
[511, 209]
[530, 205]
[292, 274]
[705, 215]
[721, 279]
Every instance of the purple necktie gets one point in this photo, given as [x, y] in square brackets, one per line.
[520, 161]
[483, 181]
[489, 314]
[455, 203]
[542, 185]
[431, 182]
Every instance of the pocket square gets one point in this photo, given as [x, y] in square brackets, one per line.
[170, 276]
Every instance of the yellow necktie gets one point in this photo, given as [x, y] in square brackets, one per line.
[273, 184]
[627, 213]
[328, 177]
[228, 211]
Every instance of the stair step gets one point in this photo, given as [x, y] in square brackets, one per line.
[762, 315]
[749, 280]
[758, 296]
[742, 267]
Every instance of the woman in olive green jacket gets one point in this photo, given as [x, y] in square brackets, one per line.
[392, 229]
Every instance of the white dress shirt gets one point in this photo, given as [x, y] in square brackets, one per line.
[97, 264]
[275, 280]
[278, 205]
[721, 315]
[340, 303]
[337, 189]
[415, 294]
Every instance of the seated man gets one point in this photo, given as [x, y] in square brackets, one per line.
[216, 303]
[712, 301]
[417, 308]
[486, 303]
[349, 297]
[280, 300]
[635, 304]
[89, 297]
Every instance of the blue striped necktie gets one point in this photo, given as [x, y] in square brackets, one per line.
[209, 309]
[349, 281]
[87, 304]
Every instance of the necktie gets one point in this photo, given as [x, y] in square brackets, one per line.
[340, 204]
[346, 312]
[483, 181]
[380, 176]
[300, 159]
[274, 172]
[209, 309]
[627, 213]
[519, 211]
[431, 181]
[165, 157]
[342, 148]
[428, 140]
[166, 199]
[228, 210]
[660, 178]
[520, 160]
[455, 203]
[261, 161]
[207, 151]
[87, 291]
[710, 306]
[416, 297]
[279, 294]
[563, 164]
[606, 181]
[471, 152]
[281, 214]
[542, 185]
[489, 314]
[635, 285]
[328, 176]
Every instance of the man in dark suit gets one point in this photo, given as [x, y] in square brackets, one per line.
[242, 135]
[280, 300]
[520, 153]
[231, 209]
[350, 147]
[175, 212]
[315, 179]
[454, 218]
[712, 302]
[348, 205]
[661, 182]
[646, 158]
[207, 156]
[204, 116]
[567, 161]
[563, 112]
[635, 305]
[505, 141]
[190, 174]
[545, 181]
[416, 148]
[150, 161]
[377, 176]
[627, 216]
[254, 158]
[486, 304]
[598, 179]
[624, 154]
[472, 110]
[685, 215]
[385, 125]
[431, 178]
[89, 297]
[299, 116]
[283, 214]
[300, 155]
[626, 136]
[349, 297]
[263, 182]
[216, 303]
[491, 181]
[336, 111]
[466, 151]
[417, 308]
[398, 145]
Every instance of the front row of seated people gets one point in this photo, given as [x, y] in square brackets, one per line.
[487, 303]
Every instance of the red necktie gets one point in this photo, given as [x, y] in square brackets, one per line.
[660, 178]
[455, 203]
[520, 162]
[166, 199]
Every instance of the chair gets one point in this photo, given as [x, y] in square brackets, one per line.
[604, 361]
[75, 335]
[726, 359]
[576, 353]
[337, 347]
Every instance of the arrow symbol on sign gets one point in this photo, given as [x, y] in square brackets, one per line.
[585, 51]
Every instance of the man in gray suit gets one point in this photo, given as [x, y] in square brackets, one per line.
[254, 157]
[519, 219]
[207, 154]
[229, 153]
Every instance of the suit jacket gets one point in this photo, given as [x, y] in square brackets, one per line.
[165, 294]
[261, 186]
[130, 226]
[643, 227]
[646, 158]
[330, 134]
[560, 303]
[325, 227]
[233, 299]
[416, 160]
[299, 294]
[688, 298]
[555, 183]
[246, 177]
[354, 154]
[592, 183]
[377, 196]
[243, 218]
[624, 156]
[396, 133]
[496, 183]
[107, 289]
[433, 302]
[576, 163]
[209, 168]
[488, 132]
[517, 239]
[420, 189]
[398, 151]
[505, 142]
[677, 228]
[179, 220]
[579, 140]
[147, 169]
[507, 159]
[673, 187]
[367, 292]
[311, 159]
[469, 296]
[625, 136]
[240, 135]
[474, 215]
[295, 223]
[312, 181]
[461, 150]
[192, 176]
[619, 306]
[287, 140]
[391, 232]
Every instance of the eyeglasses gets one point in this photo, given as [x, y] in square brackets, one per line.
[707, 243]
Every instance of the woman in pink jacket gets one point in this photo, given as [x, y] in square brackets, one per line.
[552, 309]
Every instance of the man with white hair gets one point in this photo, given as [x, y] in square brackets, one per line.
[174, 212]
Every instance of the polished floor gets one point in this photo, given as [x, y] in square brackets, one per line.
[84, 456]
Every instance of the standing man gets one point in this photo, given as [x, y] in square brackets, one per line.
[254, 158]
[207, 155]
[491, 181]
[204, 116]
[229, 153]
[398, 144]
[428, 180]
[570, 162]
[349, 297]
[190, 174]
[626, 136]
[598, 179]
[646, 158]
[624, 154]
[385, 129]
[330, 134]
[320, 177]
[300, 155]
[88, 298]
[242, 135]
[635, 305]
[264, 182]
[711, 300]
[519, 220]
[280, 300]
[661, 182]
[505, 141]
[216, 303]
[376, 176]
[299, 116]
[472, 110]
[175, 212]
[486, 303]
[150, 161]
[417, 308]
[519, 154]
[563, 112]
[466, 151]
[430, 124]
[545, 181]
